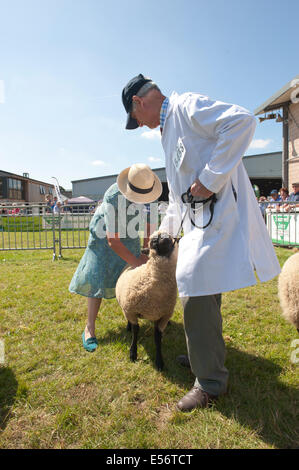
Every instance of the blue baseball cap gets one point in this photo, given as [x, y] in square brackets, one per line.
[131, 89]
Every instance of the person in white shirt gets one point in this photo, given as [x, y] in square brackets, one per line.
[226, 240]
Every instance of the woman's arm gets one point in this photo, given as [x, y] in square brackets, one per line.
[122, 251]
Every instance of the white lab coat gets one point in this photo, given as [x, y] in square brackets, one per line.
[213, 136]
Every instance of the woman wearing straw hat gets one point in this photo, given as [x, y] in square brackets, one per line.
[113, 242]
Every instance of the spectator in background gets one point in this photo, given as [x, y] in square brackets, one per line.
[284, 194]
[57, 209]
[263, 203]
[293, 198]
[275, 198]
[48, 201]
[54, 202]
[15, 210]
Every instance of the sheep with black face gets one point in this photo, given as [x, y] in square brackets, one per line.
[150, 291]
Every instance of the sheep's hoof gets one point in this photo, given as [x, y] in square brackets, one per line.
[133, 356]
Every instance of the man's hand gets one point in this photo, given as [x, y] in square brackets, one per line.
[199, 190]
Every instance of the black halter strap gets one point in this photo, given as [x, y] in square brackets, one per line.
[187, 197]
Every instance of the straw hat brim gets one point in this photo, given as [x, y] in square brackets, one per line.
[123, 186]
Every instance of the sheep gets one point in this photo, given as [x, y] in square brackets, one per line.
[288, 290]
[150, 291]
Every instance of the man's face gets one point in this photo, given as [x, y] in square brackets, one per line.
[145, 113]
[275, 196]
[295, 188]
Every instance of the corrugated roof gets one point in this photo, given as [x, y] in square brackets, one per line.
[281, 96]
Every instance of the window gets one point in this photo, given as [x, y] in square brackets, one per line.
[15, 189]
[42, 189]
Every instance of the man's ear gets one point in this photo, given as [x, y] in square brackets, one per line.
[136, 99]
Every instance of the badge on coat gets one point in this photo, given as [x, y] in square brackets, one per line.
[178, 154]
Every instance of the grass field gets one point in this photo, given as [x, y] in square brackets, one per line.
[54, 394]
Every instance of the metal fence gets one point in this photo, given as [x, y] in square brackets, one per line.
[36, 227]
[282, 220]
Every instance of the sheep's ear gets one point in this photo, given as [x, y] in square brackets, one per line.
[154, 243]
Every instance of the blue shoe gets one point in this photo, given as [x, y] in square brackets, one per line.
[90, 344]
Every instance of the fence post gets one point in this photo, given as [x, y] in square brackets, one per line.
[59, 235]
[54, 240]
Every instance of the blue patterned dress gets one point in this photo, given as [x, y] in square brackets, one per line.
[100, 266]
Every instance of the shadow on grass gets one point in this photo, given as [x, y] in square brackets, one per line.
[256, 397]
[173, 344]
[259, 400]
[8, 391]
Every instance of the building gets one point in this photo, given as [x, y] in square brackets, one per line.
[264, 170]
[95, 188]
[21, 189]
[286, 104]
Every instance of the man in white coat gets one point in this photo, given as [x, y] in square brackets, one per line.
[225, 239]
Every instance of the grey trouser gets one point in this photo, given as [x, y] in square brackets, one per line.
[205, 344]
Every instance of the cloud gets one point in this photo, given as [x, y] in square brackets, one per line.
[154, 159]
[98, 163]
[153, 134]
[260, 143]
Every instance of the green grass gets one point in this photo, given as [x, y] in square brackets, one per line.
[53, 394]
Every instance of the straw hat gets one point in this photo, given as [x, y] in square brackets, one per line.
[139, 184]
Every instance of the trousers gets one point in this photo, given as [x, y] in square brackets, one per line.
[205, 343]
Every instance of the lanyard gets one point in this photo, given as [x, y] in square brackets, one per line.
[189, 199]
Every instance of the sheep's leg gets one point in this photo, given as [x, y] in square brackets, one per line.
[158, 342]
[129, 326]
[133, 348]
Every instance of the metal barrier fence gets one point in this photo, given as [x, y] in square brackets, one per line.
[282, 220]
[36, 227]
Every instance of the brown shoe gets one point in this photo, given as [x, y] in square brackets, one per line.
[196, 398]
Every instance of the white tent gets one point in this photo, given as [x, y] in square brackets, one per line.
[80, 200]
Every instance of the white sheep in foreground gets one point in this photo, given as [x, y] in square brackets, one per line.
[150, 291]
[288, 290]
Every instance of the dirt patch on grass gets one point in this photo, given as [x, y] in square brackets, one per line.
[164, 416]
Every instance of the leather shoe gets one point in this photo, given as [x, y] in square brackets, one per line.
[183, 360]
[196, 398]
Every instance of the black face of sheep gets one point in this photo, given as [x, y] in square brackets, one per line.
[163, 244]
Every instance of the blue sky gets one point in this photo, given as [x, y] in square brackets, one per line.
[63, 64]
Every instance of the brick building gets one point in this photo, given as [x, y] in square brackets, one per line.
[20, 189]
[284, 107]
